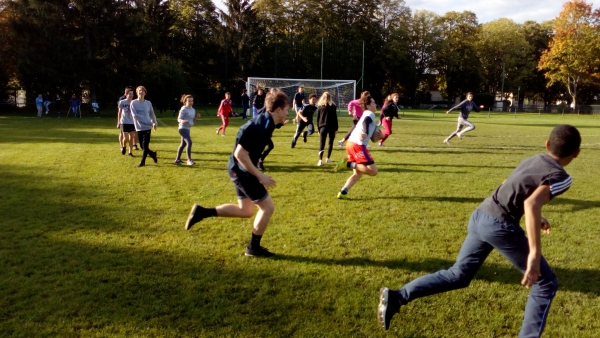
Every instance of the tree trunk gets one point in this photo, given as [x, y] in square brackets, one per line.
[91, 79]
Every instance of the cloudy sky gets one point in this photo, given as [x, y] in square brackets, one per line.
[488, 10]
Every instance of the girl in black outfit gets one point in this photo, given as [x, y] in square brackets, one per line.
[327, 123]
[259, 101]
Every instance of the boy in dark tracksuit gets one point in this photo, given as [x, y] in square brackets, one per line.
[465, 107]
[495, 225]
[305, 119]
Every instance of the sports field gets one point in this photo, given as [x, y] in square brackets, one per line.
[92, 245]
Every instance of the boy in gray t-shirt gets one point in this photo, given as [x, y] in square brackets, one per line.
[495, 225]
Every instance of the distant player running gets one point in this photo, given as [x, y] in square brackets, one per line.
[358, 157]
[299, 102]
[305, 119]
[125, 122]
[495, 225]
[465, 108]
[388, 112]
[249, 182]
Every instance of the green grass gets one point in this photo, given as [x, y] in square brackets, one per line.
[93, 246]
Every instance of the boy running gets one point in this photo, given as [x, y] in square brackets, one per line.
[305, 119]
[495, 225]
[465, 108]
[358, 157]
[249, 182]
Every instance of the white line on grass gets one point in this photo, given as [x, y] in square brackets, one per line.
[161, 122]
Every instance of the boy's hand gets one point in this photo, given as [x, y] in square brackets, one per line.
[363, 136]
[533, 271]
[448, 112]
[266, 180]
[545, 226]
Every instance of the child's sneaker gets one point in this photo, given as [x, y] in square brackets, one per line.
[190, 162]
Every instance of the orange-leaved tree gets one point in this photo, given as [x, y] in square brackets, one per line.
[573, 55]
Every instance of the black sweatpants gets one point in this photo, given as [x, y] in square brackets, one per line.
[354, 121]
[144, 138]
[300, 127]
[324, 132]
[268, 149]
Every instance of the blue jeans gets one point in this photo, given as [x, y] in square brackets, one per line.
[485, 234]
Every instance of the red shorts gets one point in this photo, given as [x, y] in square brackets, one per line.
[358, 153]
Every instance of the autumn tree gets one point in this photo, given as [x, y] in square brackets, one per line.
[572, 56]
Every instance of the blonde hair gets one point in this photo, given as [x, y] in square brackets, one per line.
[184, 98]
[325, 100]
[142, 87]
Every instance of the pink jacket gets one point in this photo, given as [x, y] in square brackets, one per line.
[355, 108]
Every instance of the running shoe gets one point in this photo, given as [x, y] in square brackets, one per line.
[195, 216]
[217, 131]
[304, 135]
[329, 160]
[447, 141]
[190, 162]
[122, 150]
[260, 166]
[341, 196]
[178, 161]
[258, 252]
[135, 147]
[341, 164]
[154, 157]
[320, 163]
[389, 305]
[131, 155]
[293, 144]
[341, 143]
[459, 135]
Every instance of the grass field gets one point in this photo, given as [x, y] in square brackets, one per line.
[93, 246]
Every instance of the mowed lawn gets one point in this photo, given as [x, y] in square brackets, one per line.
[93, 246]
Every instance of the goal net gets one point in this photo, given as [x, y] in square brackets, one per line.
[342, 91]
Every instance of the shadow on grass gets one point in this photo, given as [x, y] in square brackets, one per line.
[576, 205]
[576, 280]
[425, 198]
[462, 165]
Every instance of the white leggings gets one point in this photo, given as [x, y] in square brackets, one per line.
[459, 127]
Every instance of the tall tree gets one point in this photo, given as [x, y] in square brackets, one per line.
[457, 64]
[502, 49]
[572, 56]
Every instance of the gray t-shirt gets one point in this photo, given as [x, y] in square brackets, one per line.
[507, 201]
[188, 114]
[126, 117]
[143, 115]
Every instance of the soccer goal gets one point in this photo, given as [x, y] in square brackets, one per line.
[342, 91]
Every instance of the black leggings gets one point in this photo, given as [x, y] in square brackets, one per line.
[144, 138]
[268, 149]
[300, 127]
[355, 121]
[324, 132]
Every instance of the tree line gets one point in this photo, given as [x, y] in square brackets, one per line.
[190, 46]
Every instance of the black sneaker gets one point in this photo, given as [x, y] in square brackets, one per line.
[389, 305]
[154, 157]
[130, 155]
[142, 164]
[261, 166]
[293, 144]
[304, 135]
[135, 147]
[196, 215]
[122, 150]
[258, 252]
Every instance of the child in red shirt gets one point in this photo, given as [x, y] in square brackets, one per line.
[223, 112]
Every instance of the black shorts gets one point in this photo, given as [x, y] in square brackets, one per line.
[247, 186]
[127, 128]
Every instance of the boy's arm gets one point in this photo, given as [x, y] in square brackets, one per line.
[243, 158]
[119, 117]
[460, 105]
[533, 224]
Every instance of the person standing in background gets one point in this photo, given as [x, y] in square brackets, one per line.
[245, 104]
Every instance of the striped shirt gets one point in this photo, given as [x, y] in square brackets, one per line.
[508, 200]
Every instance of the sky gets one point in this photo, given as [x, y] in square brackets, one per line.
[488, 10]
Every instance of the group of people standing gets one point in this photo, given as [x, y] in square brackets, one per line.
[46, 103]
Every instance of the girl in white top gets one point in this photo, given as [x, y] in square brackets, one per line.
[358, 156]
[187, 117]
[144, 121]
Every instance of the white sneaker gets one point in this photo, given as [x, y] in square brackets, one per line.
[459, 135]
[329, 160]
[217, 131]
[223, 134]
[190, 162]
[447, 141]
[320, 163]
[341, 143]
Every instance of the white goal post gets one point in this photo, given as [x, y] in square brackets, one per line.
[342, 91]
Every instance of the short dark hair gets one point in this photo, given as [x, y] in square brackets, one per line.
[311, 96]
[276, 99]
[564, 140]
